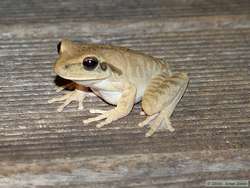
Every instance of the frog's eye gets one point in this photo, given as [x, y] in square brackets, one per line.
[59, 47]
[90, 63]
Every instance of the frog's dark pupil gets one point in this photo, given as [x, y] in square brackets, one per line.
[90, 63]
[59, 47]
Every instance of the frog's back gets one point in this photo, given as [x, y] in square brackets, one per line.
[128, 60]
[135, 67]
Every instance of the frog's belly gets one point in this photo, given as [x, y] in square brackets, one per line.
[112, 97]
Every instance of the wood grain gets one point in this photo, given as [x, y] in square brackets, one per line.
[42, 147]
[136, 170]
[46, 11]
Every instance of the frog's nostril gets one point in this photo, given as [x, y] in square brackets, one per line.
[66, 66]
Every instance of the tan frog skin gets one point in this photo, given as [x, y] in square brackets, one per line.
[121, 77]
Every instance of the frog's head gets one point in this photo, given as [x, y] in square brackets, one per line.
[81, 63]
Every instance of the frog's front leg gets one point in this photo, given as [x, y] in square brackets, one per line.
[78, 94]
[160, 99]
[124, 106]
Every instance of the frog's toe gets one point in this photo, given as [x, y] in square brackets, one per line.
[61, 98]
[75, 95]
[158, 123]
[147, 120]
[109, 116]
[58, 89]
[97, 111]
[67, 101]
[154, 126]
[168, 125]
[97, 118]
[105, 122]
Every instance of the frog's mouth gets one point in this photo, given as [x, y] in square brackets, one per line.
[82, 79]
[88, 83]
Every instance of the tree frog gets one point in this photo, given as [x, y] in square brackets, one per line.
[121, 77]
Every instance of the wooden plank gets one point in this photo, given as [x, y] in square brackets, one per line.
[60, 11]
[216, 103]
[41, 147]
[190, 169]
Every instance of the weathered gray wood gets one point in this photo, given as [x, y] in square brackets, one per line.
[46, 11]
[141, 170]
[216, 103]
[39, 146]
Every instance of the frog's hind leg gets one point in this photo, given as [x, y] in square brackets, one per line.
[161, 98]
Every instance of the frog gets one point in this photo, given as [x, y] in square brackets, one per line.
[122, 77]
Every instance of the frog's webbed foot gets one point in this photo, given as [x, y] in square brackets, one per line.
[76, 95]
[124, 106]
[157, 121]
[109, 116]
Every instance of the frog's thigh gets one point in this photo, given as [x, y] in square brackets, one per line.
[161, 96]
